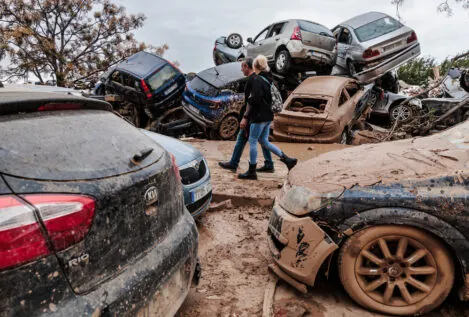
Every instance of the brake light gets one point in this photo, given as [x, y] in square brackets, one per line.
[296, 35]
[369, 53]
[59, 106]
[145, 88]
[412, 38]
[67, 219]
[175, 168]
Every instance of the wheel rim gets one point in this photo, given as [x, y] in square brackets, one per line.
[235, 40]
[401, 113]
[281, 61]
[228, 127]
[396, 271]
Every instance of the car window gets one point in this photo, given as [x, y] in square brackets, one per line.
[314, 28]
[345, 37]
[352, 89]
[336, 32]
[162, 76]
[343, 98]
[204, 88]
[377, 28]
[116, 76]
[129, 80]
[276, 29]
[262, 35]
[308, 105]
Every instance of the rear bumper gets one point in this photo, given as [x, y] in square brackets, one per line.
[372, 73]
[281, 136]
[155, 285]
[197, 117]
[298, 50]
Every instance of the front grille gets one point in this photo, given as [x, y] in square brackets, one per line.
[194, 207]
[194, 173]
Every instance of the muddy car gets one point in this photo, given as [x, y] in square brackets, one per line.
[92, 217]
[439, 106]
[320, 110]
[228, 49]
[214, 98]
[193, 169]
[373, 43]
[399, 229]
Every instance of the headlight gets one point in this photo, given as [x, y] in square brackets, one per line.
[190, 164]
[300, 201]
[416, 102]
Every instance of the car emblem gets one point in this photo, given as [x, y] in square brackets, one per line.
[151, 195]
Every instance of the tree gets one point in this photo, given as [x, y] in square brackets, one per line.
[73, 39]
[444, 6]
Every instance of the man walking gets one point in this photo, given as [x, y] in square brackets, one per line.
[243, 135]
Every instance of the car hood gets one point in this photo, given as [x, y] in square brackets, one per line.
[183, 152]
[442, 154]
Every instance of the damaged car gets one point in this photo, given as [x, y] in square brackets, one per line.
[92, 216]
[214, 98]
[295, 45]
[228, 49]
[373, 43]
[398, 229]
[321, 110]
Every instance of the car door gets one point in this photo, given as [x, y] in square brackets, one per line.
[114, 83]
[131, 88]
[344, 40]
[270, 43]
[257, 47]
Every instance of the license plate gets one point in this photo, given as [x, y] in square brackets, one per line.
[201, 191]
[194, 109]
[171, 89]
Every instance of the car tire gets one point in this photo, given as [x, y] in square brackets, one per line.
[234, 41]
[282, 62]
[404, 112]
[228, 127]
[396, 270]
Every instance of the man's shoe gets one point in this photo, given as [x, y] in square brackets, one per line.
[265, 169]
[250, 174]
[289, 161]
[228, 166]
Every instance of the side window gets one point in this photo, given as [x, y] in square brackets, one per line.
[352, 90]
[262, 35]
[343, 98]
[345, 36]
[130, 81]
[116, 76]
[276, 29]
[336, 32]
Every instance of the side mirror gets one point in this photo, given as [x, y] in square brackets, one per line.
[250, 40]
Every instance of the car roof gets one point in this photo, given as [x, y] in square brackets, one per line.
[222, 75]
[12, 102]
[323, 85]
[141, 64]
[363, 19]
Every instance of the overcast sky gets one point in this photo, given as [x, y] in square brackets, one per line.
[191, 27]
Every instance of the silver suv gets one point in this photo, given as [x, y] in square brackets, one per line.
[295, 45]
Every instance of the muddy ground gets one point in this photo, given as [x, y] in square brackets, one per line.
[234, 253]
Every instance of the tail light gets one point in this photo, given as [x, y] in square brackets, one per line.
[145, 88]
[175, 168]
[412, 38]
[369, 53]
[296, 35]
[59, 106]
[67, 219]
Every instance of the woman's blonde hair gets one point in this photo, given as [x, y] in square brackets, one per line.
[260, 63]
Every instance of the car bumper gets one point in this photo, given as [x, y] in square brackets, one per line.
[298, 246]
[154, 285]
[197, 117]
[376, 71]
[281, 136]
[298, 50]
[197, 207]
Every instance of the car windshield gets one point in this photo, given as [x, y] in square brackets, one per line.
[162, 76]
[314, 28]
[377, 28]
[203, 87]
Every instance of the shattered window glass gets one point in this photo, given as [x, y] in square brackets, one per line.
[377, 28]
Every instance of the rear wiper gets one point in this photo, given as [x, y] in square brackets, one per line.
[140, 156]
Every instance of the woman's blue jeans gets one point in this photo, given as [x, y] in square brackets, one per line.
[260, 133]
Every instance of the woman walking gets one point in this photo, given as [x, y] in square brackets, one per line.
[259, 115]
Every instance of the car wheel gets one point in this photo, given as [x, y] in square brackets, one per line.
[402, 112]
[464, 80]
[282, 62]
[228, 127]
[344, 137]
[352, 70]
[234, 41]
[396, 270]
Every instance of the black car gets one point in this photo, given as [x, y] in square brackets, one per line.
[146, 79]
[92, 217]
[214, 98]
[397, 213]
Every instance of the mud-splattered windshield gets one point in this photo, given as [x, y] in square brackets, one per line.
[377, 28]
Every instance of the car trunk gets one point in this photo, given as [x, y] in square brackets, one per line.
[89, 153]
[396, 42]
[316, 35]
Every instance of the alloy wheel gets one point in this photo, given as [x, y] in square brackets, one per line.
[228, 127]
[402, 113]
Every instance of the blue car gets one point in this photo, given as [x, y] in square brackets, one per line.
[214, 98]
[194, 171]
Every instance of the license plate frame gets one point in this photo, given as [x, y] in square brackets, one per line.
[194, 109]
[170, 89]
[201, 191]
